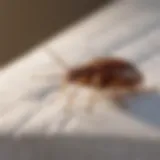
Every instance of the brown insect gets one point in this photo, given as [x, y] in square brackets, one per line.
[115, 75]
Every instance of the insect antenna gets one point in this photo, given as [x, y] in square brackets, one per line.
[59, 60]
[62, 63]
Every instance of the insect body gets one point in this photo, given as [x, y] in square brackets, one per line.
[104, 74]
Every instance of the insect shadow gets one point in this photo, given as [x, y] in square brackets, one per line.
[39, 94]
[145, 107]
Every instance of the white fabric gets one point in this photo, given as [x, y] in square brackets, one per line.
[29, 102]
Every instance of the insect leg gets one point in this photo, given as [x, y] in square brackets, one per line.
[93, 98]
[63, 86]
[118, 99]
[141, 90]
[91, 102]
[48, 77]
[70, 100]
[149, 89]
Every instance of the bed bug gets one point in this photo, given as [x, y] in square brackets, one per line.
[115, 75]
